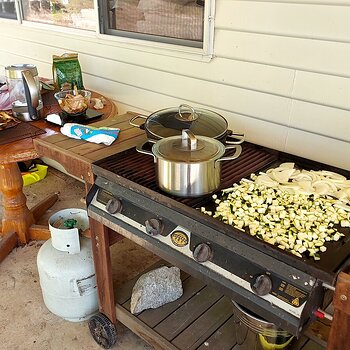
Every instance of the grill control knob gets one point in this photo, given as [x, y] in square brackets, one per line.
[114, 205]
[154, 227]
[261, 285]
[202, 252]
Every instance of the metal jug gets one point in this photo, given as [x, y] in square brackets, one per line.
[24, 89]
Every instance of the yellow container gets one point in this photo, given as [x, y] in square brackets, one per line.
[35, 175]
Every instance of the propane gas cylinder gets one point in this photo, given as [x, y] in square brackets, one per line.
[66, 268]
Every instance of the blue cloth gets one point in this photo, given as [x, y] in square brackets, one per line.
[103, 135]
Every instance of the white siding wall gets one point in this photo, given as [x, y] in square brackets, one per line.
[280, 74]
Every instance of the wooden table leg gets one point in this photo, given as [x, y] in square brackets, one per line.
[103, 269]
[17, 217]
[340, 329]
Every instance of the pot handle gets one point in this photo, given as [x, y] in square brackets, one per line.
[238, 137]
[139, 148]
[234, 156]
[31, 92]
[139, 116]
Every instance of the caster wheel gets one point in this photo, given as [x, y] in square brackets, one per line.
[103, 331]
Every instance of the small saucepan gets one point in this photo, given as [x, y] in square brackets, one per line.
[189, 165]
[171, 121]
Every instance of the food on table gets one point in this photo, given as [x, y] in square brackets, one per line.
[98, 103]
[67, 71]
[297, 210]
[73, 101]
[7, 120]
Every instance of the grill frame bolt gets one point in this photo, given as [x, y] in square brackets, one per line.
[343, 297]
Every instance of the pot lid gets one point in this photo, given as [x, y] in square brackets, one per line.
[188, 148]
[15, 70]
[171, 121]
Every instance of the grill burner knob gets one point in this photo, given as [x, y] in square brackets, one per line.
[114, 205]
[154, 227]
[202, 252]
[261, 285]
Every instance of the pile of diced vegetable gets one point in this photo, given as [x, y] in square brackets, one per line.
[297, 210]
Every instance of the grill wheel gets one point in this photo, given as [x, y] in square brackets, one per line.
[103, 331]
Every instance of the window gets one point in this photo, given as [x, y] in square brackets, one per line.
[8, 9]
[189, 24]
[172, 21]
[68, 13]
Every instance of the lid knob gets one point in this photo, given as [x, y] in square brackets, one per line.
[188, 117]
[189, 141]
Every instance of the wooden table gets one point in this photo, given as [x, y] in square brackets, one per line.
[18, 222]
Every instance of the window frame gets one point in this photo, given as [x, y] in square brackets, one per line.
[204, 48]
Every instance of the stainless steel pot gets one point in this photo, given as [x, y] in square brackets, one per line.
[188, 165]
[171, 121]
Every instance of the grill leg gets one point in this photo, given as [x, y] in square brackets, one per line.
[103, 269]
[340, 329]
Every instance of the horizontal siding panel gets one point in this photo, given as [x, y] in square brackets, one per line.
[225, 71]
[260, 105]
[164, 87]
[318, 148]
[8, 58]
[258, 131]
[322, 88]
[195, 92]
[327, 121]
[304, 54]
[291, 19]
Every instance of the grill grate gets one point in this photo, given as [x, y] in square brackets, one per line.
[140, 168]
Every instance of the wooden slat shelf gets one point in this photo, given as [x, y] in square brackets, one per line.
[201, 319]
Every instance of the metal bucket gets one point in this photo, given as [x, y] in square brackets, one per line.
[254, 333]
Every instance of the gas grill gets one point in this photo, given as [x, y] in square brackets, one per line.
[275, 284]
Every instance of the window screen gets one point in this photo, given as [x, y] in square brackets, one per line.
[157, 20]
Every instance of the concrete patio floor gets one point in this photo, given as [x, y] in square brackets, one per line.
[25, 322]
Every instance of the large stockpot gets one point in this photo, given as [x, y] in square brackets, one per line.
[171, 121]
[188, 165]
